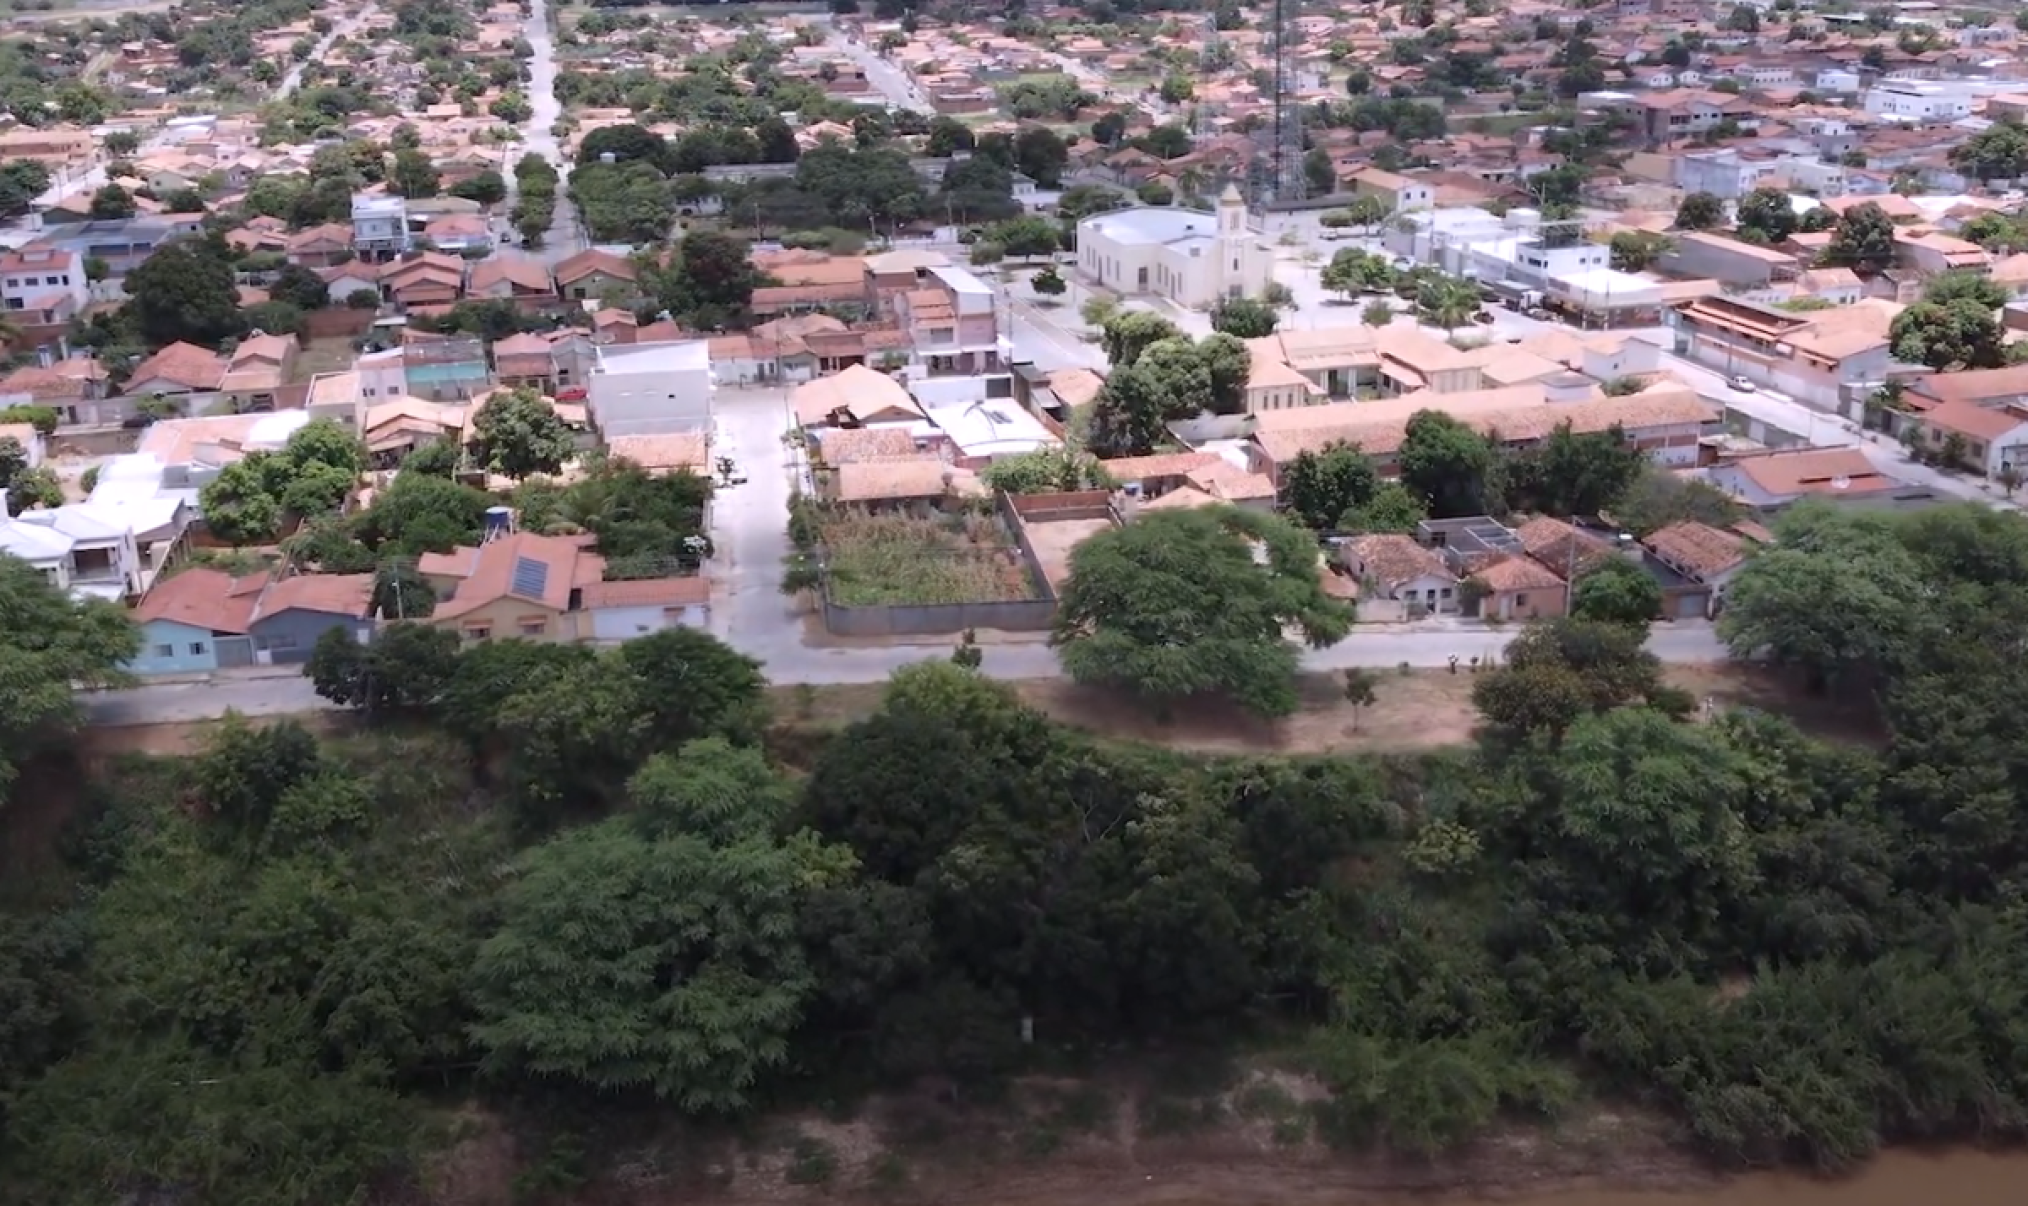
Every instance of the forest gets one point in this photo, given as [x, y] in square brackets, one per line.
[583, 886]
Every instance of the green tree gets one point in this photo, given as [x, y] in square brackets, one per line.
[1029, 235]
[1617, 592]
[405, 668]
[599, 971]
[1572, 474]
[1700, 211]
[710, 280]
[1447, 464]
[694, 686]
[1127, 334]
[1319, 488]
[1243, 317]
[414, 175]
[112, 203]
[519, 434]
[1999, 152]
[1048, 283]
[300, 287]
[1863, 239]
[1769, 211]
[1175, 605]
[185, 291]
[1837, 598]
[1446, 302]
[1637, 250]
[1961, 334]
[50, 643]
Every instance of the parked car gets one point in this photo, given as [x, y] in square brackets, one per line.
[1743, 385]
[1483, 318]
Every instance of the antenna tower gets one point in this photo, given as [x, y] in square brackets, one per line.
[1284, 177]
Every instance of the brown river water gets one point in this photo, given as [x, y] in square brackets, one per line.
[1959, 1178]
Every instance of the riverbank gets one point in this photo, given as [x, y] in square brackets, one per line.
[1066, 1143]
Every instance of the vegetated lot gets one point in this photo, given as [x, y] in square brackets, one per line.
[903, 560]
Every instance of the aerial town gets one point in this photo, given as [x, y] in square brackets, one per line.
[694, 429]
[896, 270]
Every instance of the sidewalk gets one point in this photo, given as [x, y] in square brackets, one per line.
[205, 678]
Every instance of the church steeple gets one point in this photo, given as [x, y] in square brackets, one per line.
[1231, 212]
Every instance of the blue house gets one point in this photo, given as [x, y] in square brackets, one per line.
[203, 620]
[197, 621]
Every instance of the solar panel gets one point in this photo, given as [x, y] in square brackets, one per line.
[530, 577]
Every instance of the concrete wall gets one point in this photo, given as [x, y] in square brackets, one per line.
[626, 623]
[287, 639]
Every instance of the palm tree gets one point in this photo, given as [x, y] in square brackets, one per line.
[1447, 302]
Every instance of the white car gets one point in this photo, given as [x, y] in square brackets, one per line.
[1743, 385]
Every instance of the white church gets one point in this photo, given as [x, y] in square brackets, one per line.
[1188, 257]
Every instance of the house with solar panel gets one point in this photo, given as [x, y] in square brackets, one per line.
[519, 585]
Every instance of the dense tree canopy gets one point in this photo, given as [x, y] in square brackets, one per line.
[1175, 604]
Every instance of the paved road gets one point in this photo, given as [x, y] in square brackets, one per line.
[1425, 647]
[890, 80]
[565, 237]
[322, 51]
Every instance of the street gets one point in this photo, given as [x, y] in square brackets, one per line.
[785, 661]
[565, 236]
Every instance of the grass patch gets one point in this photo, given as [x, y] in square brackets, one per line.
[899, 560]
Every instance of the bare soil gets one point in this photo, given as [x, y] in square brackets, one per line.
[1423, 709]
[1124, 1140]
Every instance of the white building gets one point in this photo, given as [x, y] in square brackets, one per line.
[44, 279]
[81, 548]
[1919, 100]
[379, 226]
[651, 388]
[1190, 258]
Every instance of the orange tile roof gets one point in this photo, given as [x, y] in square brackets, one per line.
[203, 598]
[648, 592]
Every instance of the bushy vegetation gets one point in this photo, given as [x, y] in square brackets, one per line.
[578, 883]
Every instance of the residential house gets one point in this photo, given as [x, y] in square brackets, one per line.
[651, 389]
[183, 371]
[195, 622]
[354, 276]
[442, 368]
[75, 387]
[1401, 194]
[523, 359]
[379, 226]
[79, 548]
[202, 620]
[1704, 557]
[854, 397]
[596, 274]
[523, 280]
[426, 279]
[294, 613]
[1497, 578]
[551, 589]
[1397, 568]
[322, 247]
[259, 368]
[41, 286]
[621, 611]
[952, 325]
[1770, 481]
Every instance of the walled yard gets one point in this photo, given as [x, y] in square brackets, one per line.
[907, 560]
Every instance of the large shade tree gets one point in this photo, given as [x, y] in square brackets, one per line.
[1178, 604]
